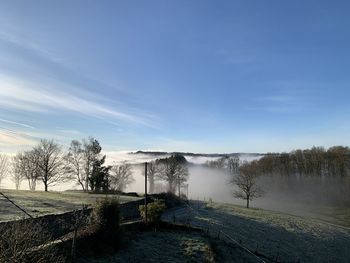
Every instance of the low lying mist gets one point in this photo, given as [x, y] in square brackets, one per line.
[305, 196]
[311, 196]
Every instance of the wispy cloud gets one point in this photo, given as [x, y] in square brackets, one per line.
[14, 138]
[278, 103]
[29, 44]
[277, 99]
[17, 123]
[70, 132]
[56, 87]
[19, 95]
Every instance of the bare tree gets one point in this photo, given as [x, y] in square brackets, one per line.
[18, 170]
[181, 176]
[174, 171]
[51, 163]
[26, 241]
[120, 176]
[75, 163]
[219, 163]
[4, 166]
[233, 165]
[153, 170]
[246, 181]
[27, 166]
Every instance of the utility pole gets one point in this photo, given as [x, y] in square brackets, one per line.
[146, 192]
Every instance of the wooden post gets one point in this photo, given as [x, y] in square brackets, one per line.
[79, 217]
[146, 192]
[74, 243]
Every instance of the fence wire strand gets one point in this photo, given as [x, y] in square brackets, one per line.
[32, 217]
[228, 236]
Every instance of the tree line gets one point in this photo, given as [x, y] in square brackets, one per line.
[243, 176]
[83, 163]
[173, 170]
[295, 166]
[317, 162]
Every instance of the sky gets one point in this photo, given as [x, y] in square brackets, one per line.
[196, 76]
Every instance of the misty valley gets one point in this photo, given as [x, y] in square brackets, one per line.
[156, 131]
[298, 199]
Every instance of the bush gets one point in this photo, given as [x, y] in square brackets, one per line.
[27, 241]
[154, 211]
[106, 215]
[170, 199]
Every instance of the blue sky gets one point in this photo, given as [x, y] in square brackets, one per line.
[201, 76]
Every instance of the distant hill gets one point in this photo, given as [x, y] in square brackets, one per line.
[213, 155]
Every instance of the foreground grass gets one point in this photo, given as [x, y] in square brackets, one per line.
[163, 246]
[166, 243]
[272, 235]
[40, 203]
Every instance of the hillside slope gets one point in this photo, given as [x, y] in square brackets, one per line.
[271, 235]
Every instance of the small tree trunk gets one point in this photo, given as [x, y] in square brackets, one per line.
[46, 188]
[248, 202]
[87, 180]
[172, 187]
[82, 186]
[151, 183]
[74, 242]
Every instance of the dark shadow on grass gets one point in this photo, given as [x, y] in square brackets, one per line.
[316, 243]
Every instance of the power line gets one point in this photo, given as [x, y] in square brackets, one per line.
[17, 206]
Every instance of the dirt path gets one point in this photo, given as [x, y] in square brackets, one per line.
[273, 236]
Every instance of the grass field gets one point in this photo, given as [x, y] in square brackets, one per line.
[162, 246]
[272, 235]
[40, 203]
[339, 215]
[170, 243]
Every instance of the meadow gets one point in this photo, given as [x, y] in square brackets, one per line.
[270, 235]
[274, 236]
[39, 203]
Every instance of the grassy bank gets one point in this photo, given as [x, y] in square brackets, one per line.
[41, 203]
[273, 235]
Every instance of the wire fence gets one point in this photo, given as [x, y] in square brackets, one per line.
[183, 216]
[220, 233]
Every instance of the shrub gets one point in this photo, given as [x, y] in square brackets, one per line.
[27, 241]
[170, 199]
[106, 214]
[154, 211]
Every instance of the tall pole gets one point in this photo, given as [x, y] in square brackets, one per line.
[146, 192]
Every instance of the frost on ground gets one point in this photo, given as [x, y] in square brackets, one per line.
[162, 246]
[39, 203]
[273, 236]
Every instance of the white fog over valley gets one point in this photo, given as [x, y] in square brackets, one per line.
[214, 184]
[201, 180]
[174, 131]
